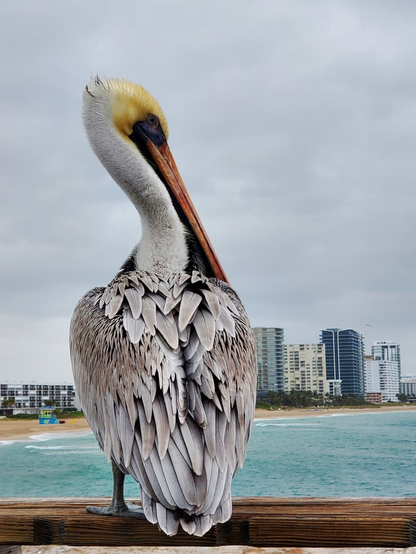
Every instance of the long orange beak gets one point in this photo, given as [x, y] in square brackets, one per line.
[166, 164]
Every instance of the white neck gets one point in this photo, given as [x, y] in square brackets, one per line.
[162, 247]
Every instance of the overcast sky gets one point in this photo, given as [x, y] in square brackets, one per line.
[292, 122]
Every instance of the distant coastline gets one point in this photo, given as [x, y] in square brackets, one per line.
[317, 412]
[12, 430]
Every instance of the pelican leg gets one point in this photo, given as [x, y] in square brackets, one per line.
[118, 506]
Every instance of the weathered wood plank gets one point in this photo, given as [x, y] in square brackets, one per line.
[79, 531]
[16, 530]
[331, 506]
[327, 531]
[260, 522]
[239, 503]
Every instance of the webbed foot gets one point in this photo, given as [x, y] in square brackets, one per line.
[123, 510]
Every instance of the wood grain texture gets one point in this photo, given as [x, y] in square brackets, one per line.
[258, 522]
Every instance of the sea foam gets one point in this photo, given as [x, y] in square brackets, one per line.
[53, 436]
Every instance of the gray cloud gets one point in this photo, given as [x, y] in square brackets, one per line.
[293, 127]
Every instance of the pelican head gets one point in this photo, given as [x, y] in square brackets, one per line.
[128, 132]
[123, 102]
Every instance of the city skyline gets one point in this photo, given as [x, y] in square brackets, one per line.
[336, 365]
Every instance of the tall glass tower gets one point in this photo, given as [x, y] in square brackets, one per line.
[344, 350]
[270, 358]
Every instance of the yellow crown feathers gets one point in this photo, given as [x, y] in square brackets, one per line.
[129, 103]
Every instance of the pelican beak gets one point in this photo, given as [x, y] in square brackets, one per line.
[163, 159]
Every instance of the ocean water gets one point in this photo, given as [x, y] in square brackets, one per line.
[342, 455]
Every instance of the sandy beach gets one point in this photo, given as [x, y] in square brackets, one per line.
[15, 429]
[23, 429]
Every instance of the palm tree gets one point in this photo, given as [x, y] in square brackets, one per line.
[50, 402]
[8, 403]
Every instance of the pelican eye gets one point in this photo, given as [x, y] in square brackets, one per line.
[148, 129]
[152, 120]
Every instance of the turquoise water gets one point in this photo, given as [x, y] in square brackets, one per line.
[351, 455]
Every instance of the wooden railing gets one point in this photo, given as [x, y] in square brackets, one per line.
[258, 521]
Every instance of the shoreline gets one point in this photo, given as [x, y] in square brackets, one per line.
[260, 414]
[23, 430]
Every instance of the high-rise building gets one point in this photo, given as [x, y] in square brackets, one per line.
[305, 367]
[270, 358]
[387, 351]
[371, 376]
[344, 356]
[382, 376]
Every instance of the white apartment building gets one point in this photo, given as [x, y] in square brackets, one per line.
[305, 368]
[29, 397]
[387, 350]
[382, 376]
[408, 385]
[372, 375]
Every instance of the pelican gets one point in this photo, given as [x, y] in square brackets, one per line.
[163, 357]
